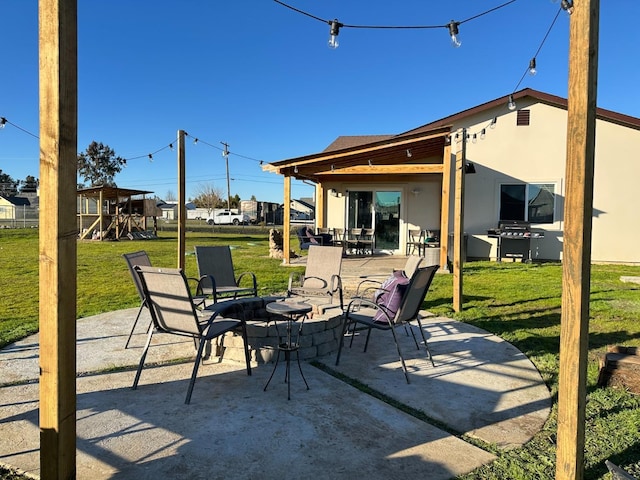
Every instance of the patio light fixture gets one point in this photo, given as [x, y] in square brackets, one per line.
[512, 104]
[532, 66]
[334, 30]
[454, 32]
[567, 5]
[3, 122]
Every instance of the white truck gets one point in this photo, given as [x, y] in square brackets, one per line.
[226, 217]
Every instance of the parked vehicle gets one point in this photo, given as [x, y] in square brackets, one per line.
[226, 217]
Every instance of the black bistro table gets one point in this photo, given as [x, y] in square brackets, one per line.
[289, 342]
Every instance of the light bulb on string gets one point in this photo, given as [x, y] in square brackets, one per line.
[454, 32]
[3, 122]
[334, 30]
[474, 138]
[512, 104]
[493, 122]
[567, 5]
[532, 66]
[483, 133]
[150, 158]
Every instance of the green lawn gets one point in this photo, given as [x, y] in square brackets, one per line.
[520, 303]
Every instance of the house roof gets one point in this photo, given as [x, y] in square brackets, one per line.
[547, 98]
[18, 201]
[110, 192]
[424, 141]
[348, 141]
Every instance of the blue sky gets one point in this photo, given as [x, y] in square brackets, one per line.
[260, 77]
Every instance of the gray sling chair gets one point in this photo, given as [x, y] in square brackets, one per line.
[217, 276]
[141, 258]
[173, 312]
[321, 277]
[376, 316]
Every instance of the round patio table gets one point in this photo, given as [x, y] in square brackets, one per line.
[288, 343]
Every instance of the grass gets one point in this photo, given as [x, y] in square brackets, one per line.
[520, 303]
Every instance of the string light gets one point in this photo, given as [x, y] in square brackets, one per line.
[453, 32]
[483, 133]
[335, 25]
[409, 154]
[334, 30]
[567, 5]
[3, 121]
[532, 66]
[295, 169]
[512, 104]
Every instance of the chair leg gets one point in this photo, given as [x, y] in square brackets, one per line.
[345, 327]
[426, 345]
[142, 359]
[404, 366]
[135, 322]
[196, 365]
[247, 356]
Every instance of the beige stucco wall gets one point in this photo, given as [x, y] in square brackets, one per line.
[537, 154]
[524, 154]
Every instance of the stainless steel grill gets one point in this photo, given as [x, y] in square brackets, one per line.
[515, 240]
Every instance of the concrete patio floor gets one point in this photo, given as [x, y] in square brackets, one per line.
[481, 386]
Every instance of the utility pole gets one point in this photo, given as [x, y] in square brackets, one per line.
[225, 154]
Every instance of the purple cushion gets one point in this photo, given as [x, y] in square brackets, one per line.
[390, 295]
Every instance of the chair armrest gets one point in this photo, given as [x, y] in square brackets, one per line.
[364, 282]
[253, 280]
[204, 282]
[294, 277]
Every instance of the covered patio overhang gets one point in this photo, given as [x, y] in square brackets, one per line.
[402, 158]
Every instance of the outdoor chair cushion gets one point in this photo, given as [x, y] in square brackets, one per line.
[389, 296]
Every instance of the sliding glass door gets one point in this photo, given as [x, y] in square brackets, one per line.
[379, 210]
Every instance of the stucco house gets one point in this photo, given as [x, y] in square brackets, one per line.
[517, 153]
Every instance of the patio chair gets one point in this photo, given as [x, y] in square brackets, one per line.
[353, 240]
[217, 276]
[141, 258]
[306, 238]
[415, 240]
[322, 275]
[172, 311]
[379, 314]
[410, 266]
[367, 241]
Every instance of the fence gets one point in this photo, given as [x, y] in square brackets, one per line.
[18, 216]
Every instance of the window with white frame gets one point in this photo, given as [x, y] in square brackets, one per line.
[530, 202]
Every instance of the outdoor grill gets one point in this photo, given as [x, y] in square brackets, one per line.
[515, 239]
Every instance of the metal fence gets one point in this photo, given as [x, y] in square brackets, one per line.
[19, 216]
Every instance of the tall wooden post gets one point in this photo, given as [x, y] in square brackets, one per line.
[444, 207]
[458, 219]
[58, 236]
[182, 215]
[576, 257]
[286, 219]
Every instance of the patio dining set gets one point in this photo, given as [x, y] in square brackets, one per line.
[353, 241]
[224, 302]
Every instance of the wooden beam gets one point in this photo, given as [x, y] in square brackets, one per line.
[58, 92]
[286, 219]
[444, 207]
[182, 215]
[576, 257]
[406, 168]
[458, 221]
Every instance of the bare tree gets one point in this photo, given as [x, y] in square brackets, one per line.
[207, 196]
[170, 196]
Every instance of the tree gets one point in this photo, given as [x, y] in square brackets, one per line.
[99, 164]
[170, 196]
[207, 196]
[8, 186]
[29, 184]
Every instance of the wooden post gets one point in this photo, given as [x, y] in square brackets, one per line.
[444, 207]
[321, 220]
[286, 226]
[182, 215]
[576, 257]
[58, 236]
[458, 219]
